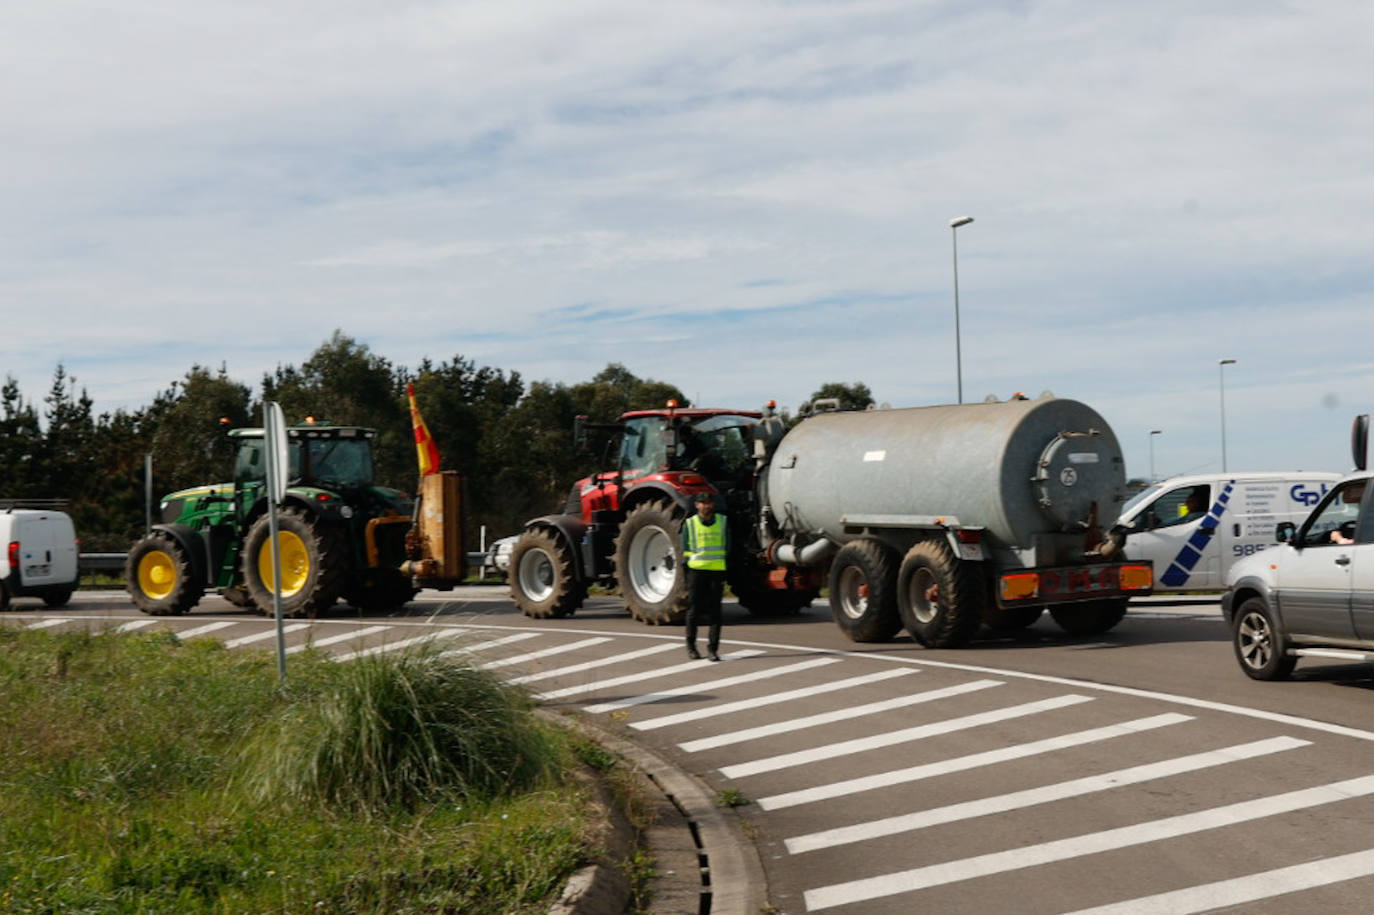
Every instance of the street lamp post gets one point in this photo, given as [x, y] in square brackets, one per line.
[954, 225]
[1221, 378]
[1153, 433]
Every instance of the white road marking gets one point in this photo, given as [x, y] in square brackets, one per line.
[871, 708]
[595, 685]
[710, 684]
[473, 647]
[740, 705]
[403, 643]
[547, 652]
[1016, 800]
[1077, 846]
[1250, 888]
[604, 662]
[47, 624]
[134, 625]
[964, 763]
[892, 738]
[335, 639]
[266, 634]
[203, 630]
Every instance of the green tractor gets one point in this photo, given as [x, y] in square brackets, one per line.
[339, 536]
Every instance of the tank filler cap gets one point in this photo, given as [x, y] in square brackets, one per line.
[1072, 474]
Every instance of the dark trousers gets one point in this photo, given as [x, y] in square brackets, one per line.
[706, 588]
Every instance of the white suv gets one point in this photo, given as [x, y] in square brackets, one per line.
[1313, 594]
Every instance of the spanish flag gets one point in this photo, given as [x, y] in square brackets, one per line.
[425, 449]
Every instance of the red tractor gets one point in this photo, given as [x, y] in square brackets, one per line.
[624, 526]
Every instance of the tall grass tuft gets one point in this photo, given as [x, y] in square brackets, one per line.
[400, 729]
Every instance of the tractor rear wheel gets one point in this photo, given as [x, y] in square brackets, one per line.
[648, 564]
[543, 576]
[940, 599]
[314, 564]
[863, 580]
[161, 577]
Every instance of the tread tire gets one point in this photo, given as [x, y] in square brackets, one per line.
[542, 560]
[1092, 617]
[952, 620]
[863, 591]
[160, 576]
[321, 570]
[649, 568]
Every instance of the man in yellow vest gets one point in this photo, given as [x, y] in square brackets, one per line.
[705, 545]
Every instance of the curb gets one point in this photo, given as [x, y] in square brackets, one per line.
[718, 873]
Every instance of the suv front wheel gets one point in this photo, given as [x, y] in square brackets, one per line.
[1260, 645]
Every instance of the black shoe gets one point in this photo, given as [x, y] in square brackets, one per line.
[713, 656]
[693, 654]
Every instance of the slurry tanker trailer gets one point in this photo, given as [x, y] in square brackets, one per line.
[937, 520]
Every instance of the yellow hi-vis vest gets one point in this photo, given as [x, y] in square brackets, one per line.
[706, 544]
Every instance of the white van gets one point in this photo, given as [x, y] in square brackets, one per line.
[40, 558]
[1194, 527]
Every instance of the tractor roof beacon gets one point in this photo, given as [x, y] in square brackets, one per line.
[340, 536]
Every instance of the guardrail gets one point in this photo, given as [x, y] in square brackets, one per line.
[102, 562]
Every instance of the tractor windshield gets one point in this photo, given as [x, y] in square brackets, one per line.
[642, 447]
[718, 446]
[337, 462]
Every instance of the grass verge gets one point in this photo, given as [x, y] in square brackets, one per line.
[143, 774]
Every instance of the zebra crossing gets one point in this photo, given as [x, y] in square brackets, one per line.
[856, 760]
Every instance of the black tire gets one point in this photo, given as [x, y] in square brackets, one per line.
[58, 597]
[543, 576]
[863, 591]
[768, 603]
[1260, 646]
[238, 596]
[1090, 617]
[4, 597]
[649, 568]
[940, 599]
[1010, 619]
[160, 576]
[314, 564]
[382, 592]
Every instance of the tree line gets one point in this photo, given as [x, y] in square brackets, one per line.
[513, 441]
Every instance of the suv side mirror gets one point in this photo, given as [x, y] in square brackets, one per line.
[1285, 531]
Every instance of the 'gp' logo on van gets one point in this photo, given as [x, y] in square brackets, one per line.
[1304, 496]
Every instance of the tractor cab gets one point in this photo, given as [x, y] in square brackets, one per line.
[328, 457]
[714, 444]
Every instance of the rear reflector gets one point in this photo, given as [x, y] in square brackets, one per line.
[1020, 586]
[1137, 578]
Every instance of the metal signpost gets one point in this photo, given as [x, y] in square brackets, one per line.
[278, 469]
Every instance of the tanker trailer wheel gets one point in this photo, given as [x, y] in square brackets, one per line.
[1089, 617]
[543, 579]
[160, 576]
[863, 582]
[649, 567]
[1009, 619]
[313, 564]
[940, 599]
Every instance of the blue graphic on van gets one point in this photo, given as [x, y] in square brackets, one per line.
[1304, 496]
[1182, 567]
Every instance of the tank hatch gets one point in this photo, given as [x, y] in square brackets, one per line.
[1075, 471]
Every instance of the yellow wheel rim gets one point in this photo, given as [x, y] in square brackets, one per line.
[157, 575]
[295, 563]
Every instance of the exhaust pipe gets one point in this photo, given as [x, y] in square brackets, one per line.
[782, 553]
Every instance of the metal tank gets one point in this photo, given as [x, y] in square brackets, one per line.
[1018, 468]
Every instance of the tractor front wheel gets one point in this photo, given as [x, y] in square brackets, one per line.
[543, 577]
[648, 564]
[313, 564]
[161, 577]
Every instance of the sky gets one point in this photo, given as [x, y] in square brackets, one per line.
[747, 199]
